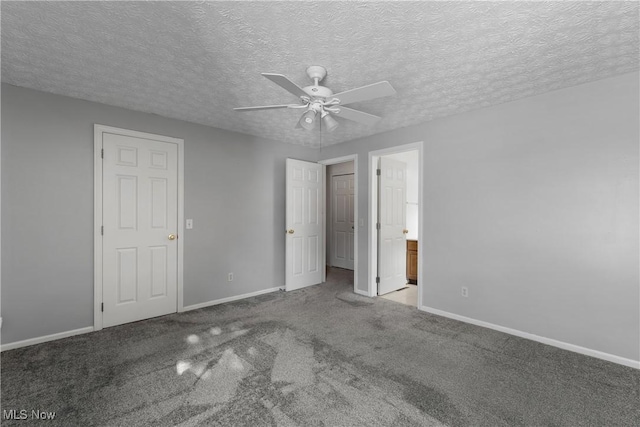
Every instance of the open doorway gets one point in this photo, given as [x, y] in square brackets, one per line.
[306, 223]
[340, 218]
[394, 212]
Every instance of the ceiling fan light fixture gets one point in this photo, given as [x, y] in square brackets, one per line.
[308, 119]
[330, 124]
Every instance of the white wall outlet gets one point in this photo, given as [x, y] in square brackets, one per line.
[464, 291]
[230, 277]
[189, 224]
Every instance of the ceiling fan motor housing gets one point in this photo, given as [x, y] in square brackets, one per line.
[318, 92]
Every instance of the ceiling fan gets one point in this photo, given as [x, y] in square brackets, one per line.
[320, 101]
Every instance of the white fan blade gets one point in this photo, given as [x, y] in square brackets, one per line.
[365, 93]
[265, 107]
[356, 116]
[286, 84]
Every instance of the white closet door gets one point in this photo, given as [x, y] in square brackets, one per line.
[342, 221]
[140, 216]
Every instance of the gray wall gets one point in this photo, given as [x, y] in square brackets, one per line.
[533, 205]
[234, 191]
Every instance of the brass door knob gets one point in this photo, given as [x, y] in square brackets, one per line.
[405, 231]
[172, 237]
[290, 231]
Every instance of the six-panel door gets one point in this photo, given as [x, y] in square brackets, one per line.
[392, 250]
[140, 215]
[342, 226]
[304, 242]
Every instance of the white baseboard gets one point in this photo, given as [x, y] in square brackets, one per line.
[229, 299]
[549, 341]
[46, 338]
[60, 335]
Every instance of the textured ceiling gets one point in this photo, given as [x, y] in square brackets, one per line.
[195, 61]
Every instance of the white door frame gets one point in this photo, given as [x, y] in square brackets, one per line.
[334, 161]
[98, 130]
[373, 207]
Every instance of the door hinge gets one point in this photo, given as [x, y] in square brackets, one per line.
[378, 280]
[378, 172]
[102, 307]
[102, 230]
[377, 226]
[102, 153]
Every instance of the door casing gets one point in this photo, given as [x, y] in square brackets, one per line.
[372, 245]
[98, 131]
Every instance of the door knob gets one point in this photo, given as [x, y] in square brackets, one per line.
[405, 231]
[290, 231]
[172, 237]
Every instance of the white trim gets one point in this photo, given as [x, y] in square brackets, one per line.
[373, 200]
[46, 338]
[359, 292]
[181, 233]
[549, 341]
[334, 161]
[98, 130]
[97, 225]
[337, 160]
[324, 223]
[372, 245]
[0, 245]
[229, 299]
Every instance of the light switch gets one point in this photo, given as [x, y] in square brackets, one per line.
[189, 224]
[361, 222]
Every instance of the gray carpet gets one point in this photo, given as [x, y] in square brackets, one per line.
[320, 356]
